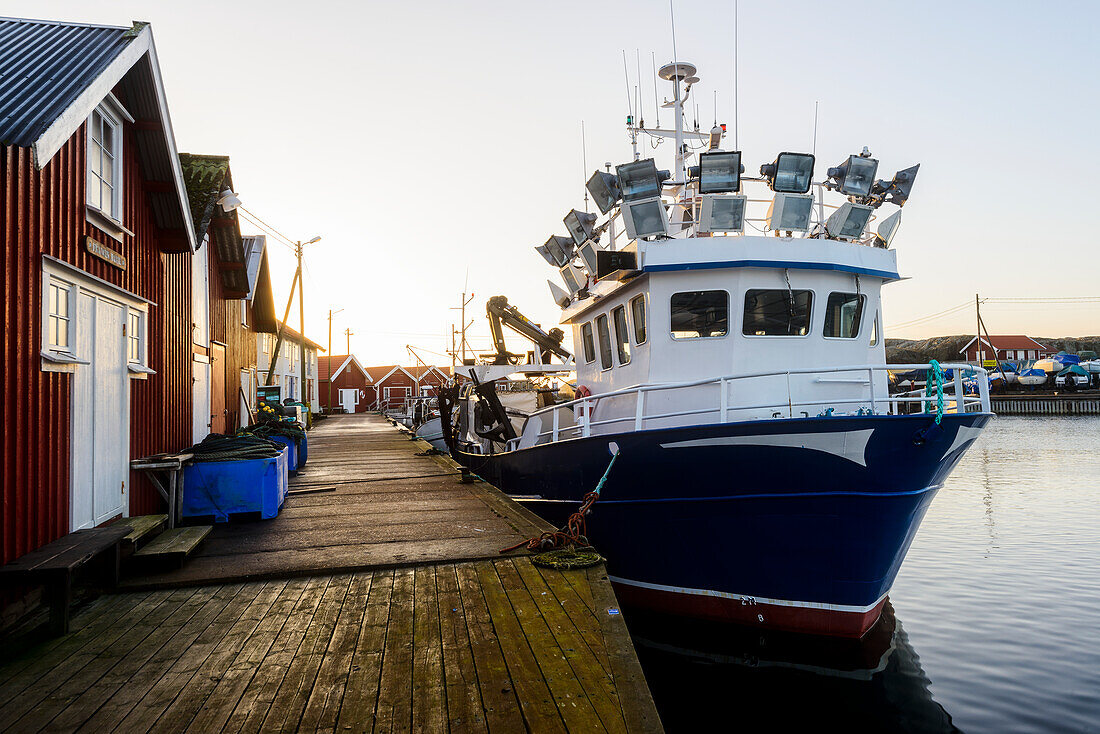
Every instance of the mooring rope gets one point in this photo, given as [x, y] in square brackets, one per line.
[937, 373]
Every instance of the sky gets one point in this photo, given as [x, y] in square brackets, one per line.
[433, 144]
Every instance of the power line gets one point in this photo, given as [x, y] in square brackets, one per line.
[274, 231]
[932, 317]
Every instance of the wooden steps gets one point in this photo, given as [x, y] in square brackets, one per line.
[141, 528]
[175, 544]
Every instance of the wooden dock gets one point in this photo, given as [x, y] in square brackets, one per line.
[379, 605]
[1046, 404]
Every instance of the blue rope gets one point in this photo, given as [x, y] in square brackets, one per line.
[937, 373]
[603, 479]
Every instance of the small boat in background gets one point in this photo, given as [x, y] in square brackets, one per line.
[1032, 377]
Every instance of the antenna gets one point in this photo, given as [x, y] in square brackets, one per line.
[656, 105]
[638, 83]
[584, 165]
[736, 106]
[814, 148]
[715, 108]
[672, 14]
[626, 76]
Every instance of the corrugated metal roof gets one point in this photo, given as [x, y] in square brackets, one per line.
[44, 66]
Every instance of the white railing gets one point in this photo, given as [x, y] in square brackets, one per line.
[581, 410]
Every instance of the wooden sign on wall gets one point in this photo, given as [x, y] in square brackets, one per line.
[105, 253]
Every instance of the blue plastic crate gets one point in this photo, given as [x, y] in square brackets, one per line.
[224, 488]
[292, 461]
[303, 450]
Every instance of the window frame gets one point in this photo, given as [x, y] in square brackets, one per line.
[862, 300]
[114, 115]
[809, 318]
[588, 342]
[138, 339]
[634, 319]
[876, 331]
[53, 282]
[606, 329]
[690, 338]
[621, 341]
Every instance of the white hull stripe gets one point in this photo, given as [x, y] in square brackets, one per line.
[758, 599]
[965, 435]
[850, 445]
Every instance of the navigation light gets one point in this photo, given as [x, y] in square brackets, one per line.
[791, 173]
[722, 213]
[640, 179]
[897, 191]
[848, 222]
[579, 225]
[557, 251]
[855, 176]
[605, 190]
[888, 229]
[645, 218]
[790, 212]
[720, 172]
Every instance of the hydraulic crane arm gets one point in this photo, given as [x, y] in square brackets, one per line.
[501, 313]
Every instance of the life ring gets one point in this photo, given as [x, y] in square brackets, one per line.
[582, 391]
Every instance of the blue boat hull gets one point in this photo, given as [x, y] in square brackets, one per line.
[797, 524]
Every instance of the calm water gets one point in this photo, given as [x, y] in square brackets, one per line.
[993, 624]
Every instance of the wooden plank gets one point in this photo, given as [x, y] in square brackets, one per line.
[634, 695]
[252, 708]
[105, 684]
[141, 526]
[576, 707]
[364, 677]
[223, 699]
[193, 694]
[177, 542]
[286, 708]
[563, 586]
[429, 704]
[594, 678]
[393, 712]
[323, 706]
[67, 552]
[119, 705]
[465, 711]
[537, 702]
[164, 691]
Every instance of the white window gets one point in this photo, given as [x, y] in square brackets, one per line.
[59, 303]
[105, 161]
[135, 337]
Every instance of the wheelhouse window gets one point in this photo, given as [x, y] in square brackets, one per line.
[622, 334]
[588, 342]
[777, 312]
[843, 312]
[874, 331]
[637, 312]
[700, 314]
[604, 335]
[104, 191]
[60, 317]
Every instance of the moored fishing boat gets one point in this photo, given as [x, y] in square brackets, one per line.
[736, 384]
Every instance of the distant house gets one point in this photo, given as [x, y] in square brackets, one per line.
[429, 378]
[1012, 348]
[394, 384]
[351, 388]
[297, 383]
[98, 243]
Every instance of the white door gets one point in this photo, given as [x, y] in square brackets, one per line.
[100, 415]
[200, 394]
[349, 398]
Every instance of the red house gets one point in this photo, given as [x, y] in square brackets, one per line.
[98, 242]
[351, 388]
[393, 384]
[1012, 348]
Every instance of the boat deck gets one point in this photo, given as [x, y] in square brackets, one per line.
[364, 608]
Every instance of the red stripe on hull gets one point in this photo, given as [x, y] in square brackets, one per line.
[807, 620]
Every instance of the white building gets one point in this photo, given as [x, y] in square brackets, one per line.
[288, 368]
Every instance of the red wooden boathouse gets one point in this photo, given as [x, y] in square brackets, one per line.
[352, 391]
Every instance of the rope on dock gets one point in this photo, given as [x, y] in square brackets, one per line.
[560, 547]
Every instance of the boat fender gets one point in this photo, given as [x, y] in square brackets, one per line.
[929, 434]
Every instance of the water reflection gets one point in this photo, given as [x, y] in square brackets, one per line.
[717, 676]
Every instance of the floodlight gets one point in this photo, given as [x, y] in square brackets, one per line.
[574, 278]
[645, 218]
[588, 253]
[848, 222]
[557, 251]
[720, 172]
[855, 176]
[791, 173]
[790, 212]
[722, 213]
[228, 201]
[639, 180]
[560, 297]
[897, 191]
[716, 134]
[605, 190]
[609, 261]
[579, 225]
[888, 229]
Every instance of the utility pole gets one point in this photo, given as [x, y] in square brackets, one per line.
[349, 333]
[978, 330]
[330, 313]
[286, 315]
[303, 395]
[462, 308]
